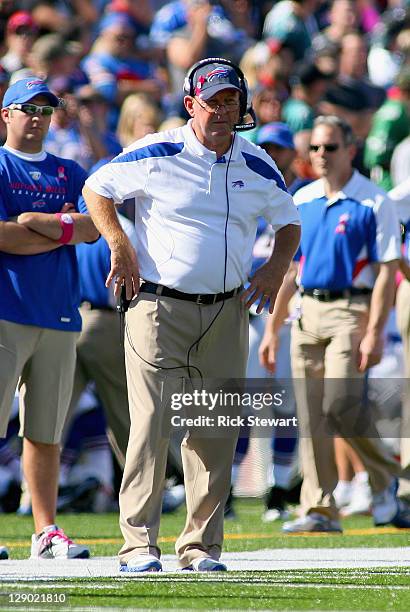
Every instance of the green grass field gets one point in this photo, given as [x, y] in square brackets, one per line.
[329, 589]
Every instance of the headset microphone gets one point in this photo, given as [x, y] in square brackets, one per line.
[245, 110]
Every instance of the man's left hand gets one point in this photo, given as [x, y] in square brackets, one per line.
[264, 286]
[370, 351]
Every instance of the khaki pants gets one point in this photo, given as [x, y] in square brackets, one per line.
[100, 357]
[329, 393]
[41, 363]
[161, 332]
[403, 324]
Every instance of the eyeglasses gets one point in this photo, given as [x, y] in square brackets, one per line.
[329, 148]
[33, 109]
[213, 107]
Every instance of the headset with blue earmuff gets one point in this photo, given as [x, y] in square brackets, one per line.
[245, 98]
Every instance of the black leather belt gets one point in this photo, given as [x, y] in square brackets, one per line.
[327, 295]
[198, 298]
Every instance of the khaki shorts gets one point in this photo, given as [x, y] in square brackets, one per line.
[41, 363]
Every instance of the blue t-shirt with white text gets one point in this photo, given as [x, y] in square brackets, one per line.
[42, 289]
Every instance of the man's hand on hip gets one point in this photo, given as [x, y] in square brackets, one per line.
[264, 286]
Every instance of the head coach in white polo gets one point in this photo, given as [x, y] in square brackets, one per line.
[199, 190]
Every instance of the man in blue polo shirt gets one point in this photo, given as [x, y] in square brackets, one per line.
[39, 318]
[346, 267]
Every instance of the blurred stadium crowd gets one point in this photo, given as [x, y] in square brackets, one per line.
[118, 66]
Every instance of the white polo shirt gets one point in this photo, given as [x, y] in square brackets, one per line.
[182, 196]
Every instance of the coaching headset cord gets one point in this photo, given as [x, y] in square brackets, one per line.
[123, 305]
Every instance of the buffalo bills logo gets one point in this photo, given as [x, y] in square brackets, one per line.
[35, 175]
[31, 84]
[38, 204]
[218, 73]
[238, 184]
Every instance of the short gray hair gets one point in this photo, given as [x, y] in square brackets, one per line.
[336, 122]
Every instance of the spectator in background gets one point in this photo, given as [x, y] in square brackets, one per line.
[7, 8]
[53, 57]
[327, 57]
[343, 19]
[141, 11]
[113, 66]
[21, 32]
[192, 29]
[267, 64]
[349, 102]
[391, 124]
[267, 104]
[384, 60]
[308, 87]
[277, 140]
[53, 15]
[139, 116]
[353, 69]
[292, 23]
[79, 131]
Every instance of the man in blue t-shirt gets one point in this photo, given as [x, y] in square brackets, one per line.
[39, 319]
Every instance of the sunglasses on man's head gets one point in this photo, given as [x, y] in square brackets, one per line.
[33, 109]
[329, 148]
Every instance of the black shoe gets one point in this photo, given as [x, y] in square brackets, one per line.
[229, 511]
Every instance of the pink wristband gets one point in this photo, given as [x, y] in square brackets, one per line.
[67, 226]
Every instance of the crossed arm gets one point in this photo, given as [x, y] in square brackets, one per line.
[32, 233]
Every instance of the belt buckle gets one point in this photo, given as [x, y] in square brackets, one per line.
[321, 294]
[199, 299]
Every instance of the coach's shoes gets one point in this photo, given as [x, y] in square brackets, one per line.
[52, 543]
[206, 564]
[313, 522]
[389, 510]
[3, 553]
[142, 563]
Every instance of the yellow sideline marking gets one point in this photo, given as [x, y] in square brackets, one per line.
[236, 536]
